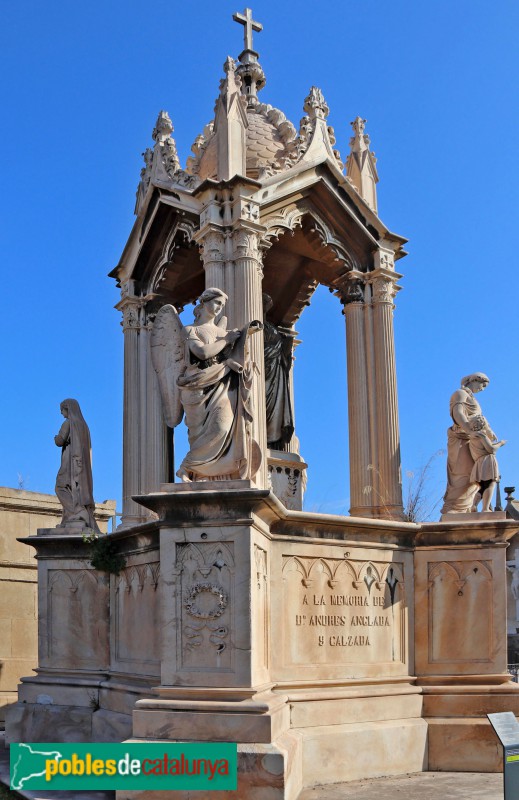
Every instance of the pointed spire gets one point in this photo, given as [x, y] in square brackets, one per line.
[160, 163]
[361, 164]
[165, 145]
[230, 125]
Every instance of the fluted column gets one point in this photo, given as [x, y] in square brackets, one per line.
[212, 244]
[131, 310]
[383, 281]
[154, 455]
[362, 490]
[246, 290]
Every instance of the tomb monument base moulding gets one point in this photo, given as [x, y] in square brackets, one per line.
[330, 648]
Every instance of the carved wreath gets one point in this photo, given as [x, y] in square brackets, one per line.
[213, 613]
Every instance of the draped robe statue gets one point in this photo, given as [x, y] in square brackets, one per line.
[205, 374]
[278, 346]
[461, 490]
[74, 486]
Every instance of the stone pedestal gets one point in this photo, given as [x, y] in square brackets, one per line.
[474, 516]
[313, 641]
[460, 639]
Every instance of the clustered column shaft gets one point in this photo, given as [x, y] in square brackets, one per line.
[374, 437]
[247, 277]
[361, 476]
[154, 460]
[388, 440]
[132, 512]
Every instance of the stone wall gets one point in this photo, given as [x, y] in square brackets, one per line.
[21, 514]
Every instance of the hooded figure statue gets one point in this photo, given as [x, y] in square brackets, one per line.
[74, 480]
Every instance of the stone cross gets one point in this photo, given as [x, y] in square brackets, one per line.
[249, 24]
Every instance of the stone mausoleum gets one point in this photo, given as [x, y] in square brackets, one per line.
[329, 648]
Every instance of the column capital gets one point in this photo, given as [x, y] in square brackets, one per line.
[211, 241]
[130, 306]
[351, 287]
[246, 242]
[383, 282]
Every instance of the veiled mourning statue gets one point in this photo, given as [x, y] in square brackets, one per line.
[74, 480]
[278, 345]
[205, 372]
[463, 479]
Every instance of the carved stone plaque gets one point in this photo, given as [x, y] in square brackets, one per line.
[343, 612]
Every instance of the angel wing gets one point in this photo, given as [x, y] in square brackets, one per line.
[167, 355]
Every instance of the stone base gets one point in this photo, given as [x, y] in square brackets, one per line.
[261, 718]
[70, 529]
[36, 722]
[338, 753]
[110, 726]
[473, 516]
[463, 745]
[265, 772]
[460, 736]
[63, 709]
[205, 486]
[335, 732]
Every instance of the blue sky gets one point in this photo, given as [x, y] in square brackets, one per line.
[82, 86]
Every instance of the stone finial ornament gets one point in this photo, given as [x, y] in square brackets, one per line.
[361, 164]
[74, 486]
[205, 373]
[161, 163]
[315, 105]
[464, 449]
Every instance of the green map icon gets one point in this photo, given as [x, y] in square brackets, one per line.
[30, 764]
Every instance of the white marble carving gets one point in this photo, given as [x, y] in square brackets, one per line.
[74, 486]
[462, 483]
[204, 370]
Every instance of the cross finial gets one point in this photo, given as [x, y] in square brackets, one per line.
[249, 25]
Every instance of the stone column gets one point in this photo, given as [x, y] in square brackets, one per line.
[246, 289]
[372, 396]
[383, 281]
[131, 310]
[362, 490]
[293, 445]
[154, 455]
[212, 250]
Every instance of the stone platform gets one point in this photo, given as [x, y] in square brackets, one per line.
[330, 649]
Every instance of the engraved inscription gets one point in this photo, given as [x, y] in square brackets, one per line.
[360, 620]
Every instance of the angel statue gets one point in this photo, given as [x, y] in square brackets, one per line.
[205, 372]
[74, 479]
